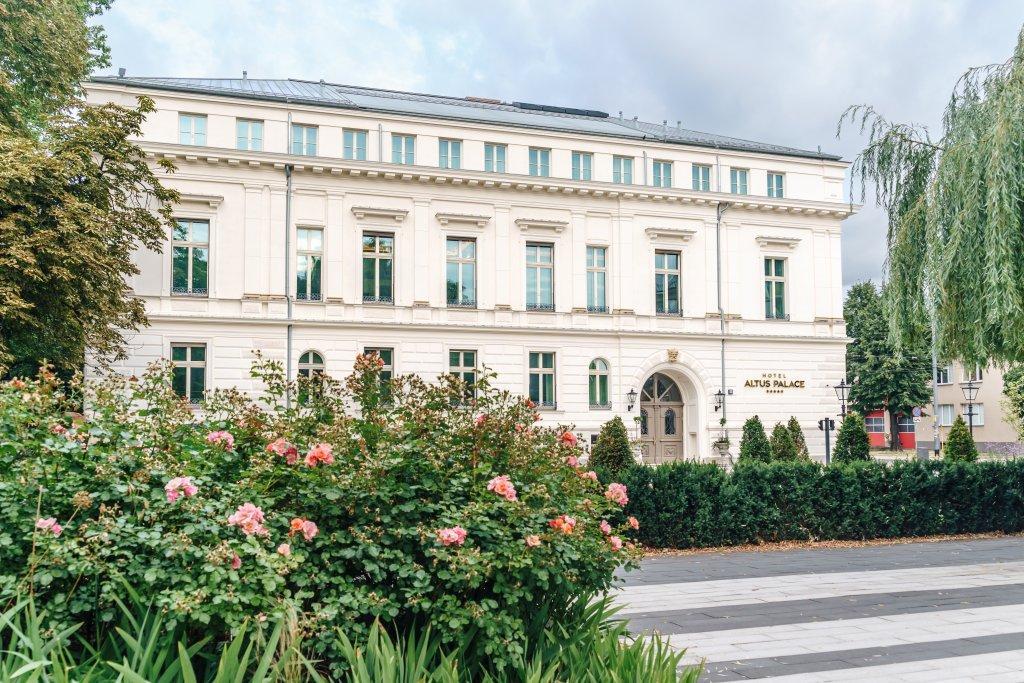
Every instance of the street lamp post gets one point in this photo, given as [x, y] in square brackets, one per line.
[970, 393]
[842, 391]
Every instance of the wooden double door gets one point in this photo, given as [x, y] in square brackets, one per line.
[661, 420]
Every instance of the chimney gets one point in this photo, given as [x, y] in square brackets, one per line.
[121, 72]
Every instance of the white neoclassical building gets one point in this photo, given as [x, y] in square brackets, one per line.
[601, 265]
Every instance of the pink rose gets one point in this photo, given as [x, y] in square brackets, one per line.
[634, 522]
[480, 419]
[503, 487]
[285, 449]
[568, 438]
[249, 519]
[532, 541]
[50, 525]
[615, 542]
[58, 429]
[563, 523]
[284, 549]
[309, 530]
[320, 453]
[236, 561]
[180, 486]
[606, 528]
[591, 475]
[455, 535]
[617, 494]
[572, 461]
[221, 438]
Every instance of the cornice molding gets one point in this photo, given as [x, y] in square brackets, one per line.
[362, 212]
[780, 243]
[636, 194]
[479, 220]
[213, 200]
[555, 226]
[683, 235]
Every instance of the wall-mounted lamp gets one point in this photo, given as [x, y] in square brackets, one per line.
[719, 400]
[631, 399]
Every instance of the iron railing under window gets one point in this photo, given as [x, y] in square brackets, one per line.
[778, 316]
[601, 406]
[536, 306]
[302, 296]
[597, 309]
[461, 303]
[185, 291]
[547, 405]
[370, 299]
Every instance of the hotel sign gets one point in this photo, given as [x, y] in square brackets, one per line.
[774, 383]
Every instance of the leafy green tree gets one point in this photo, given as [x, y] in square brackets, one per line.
[754, 443]
[960, 444]
[612, 452]
[955, 244]
[882, 374]
[852, 440]
[76, 197]
[797, 434]
[1013, 398]
[782, 444]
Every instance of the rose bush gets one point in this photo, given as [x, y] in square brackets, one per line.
[399, 501]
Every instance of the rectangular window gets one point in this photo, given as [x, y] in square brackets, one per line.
[388, 371]
[598, 384]
[494, 157]
[702, 177]
[192, 129]
[540, 162]
[460, 272]
[249, 135]
[738, 180]
[776, 187]
[663, 174]
[666, 282]
[188, 375]
[403, 149]
[875, 424]
[944, 374]
[354, 144]
[905, 424]
[582, 166]
[542, 379]
[310, 252]
[974, 375]
[190, 257]
[945, 414]
[540, 274]
[450, 154]
[979, 414]
[304, 140]
[622, 170]
[597, 278]
[378, 268]
[775, 289]
[462, 364]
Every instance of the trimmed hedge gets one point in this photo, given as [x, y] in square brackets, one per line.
[699, 505]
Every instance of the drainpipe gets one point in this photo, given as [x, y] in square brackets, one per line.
[288, 270]
[719, 212]
[645, 167]
[380, 142]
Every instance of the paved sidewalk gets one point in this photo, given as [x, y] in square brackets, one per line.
[949, 611]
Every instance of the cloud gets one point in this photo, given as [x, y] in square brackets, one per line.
[780, 72]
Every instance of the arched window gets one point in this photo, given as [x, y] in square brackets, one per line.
[599, 384]
[311, 363]
[670, 422]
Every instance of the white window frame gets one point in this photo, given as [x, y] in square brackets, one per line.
[460, 370]
[403, 149]
[595, 372]
[976, 375]
[979, 413]
[622, 169]
[666, 272]
[541, 372]
[540, 162]
[662, 173]
[774, 280]
[309, 255]
[354, 142]
[190, 366]
[945, 414]
[191, 244]
[595, 271]
[944, 375]
[874, 424]
[701, 177]
[245, 134]
[582, 166]
[776, 185]
[461, 260]
[449, 153]
[378, 256]
[739, 180]
[192, 135]
[387, 372]
[537, 267]
[495, 154]
[306, 145]
[314, 363]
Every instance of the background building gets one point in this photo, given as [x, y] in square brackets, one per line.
[601, 265]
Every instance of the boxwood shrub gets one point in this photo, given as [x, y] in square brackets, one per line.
[699, 505]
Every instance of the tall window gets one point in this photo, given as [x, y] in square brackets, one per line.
[663, 174]
[540, 277]
[304, 140]
[494, 157]
[249, 135]
[540, 162]
[775, 289]
[450, 153]
[702, 177]
[599, 383]
[188, 376]
[979, 413]
[403, 149]
[944, 374]
[542, 379]
[190, 257]
[462, 364]
[622, 170]
[192, 129]
[582, 165]
[310, 251]
[775, 185]
[311, 364]
[388, 371]
[354, 144]
[666, 282]
[738, 180]
[378, 268]
[460, 269]
[945, 414]
[597, 278]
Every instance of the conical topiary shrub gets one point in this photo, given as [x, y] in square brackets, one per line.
[852, 440]
[797, 435]
[754, 443]
[783, 447]
[960, 444]
[612, 452]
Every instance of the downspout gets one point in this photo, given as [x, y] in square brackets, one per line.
[719, 212]
[380, 142]
[288, 271]
[645, 167]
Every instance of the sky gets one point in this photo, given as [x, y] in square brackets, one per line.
[779, 71]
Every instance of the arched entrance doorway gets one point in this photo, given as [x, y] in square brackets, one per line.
[661, 419]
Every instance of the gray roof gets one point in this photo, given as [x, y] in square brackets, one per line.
[458, 108]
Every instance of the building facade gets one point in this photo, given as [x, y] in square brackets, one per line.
[600, 265]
